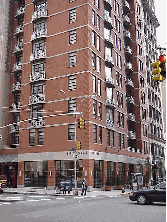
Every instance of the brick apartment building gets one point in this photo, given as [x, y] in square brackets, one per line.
[89, 56]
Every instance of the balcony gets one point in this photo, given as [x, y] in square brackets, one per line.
[38, 55]
[126, 21]
[35, 99]
[39, 15]
[17, 67]
[38, 35]
[128, 51]
[130, 83]
[110, 102]
[18, 48]
[130, 100]
[131, 117]
[127, 36]
[14, 127]
[129, 67]
[132, 135]
[109, 60]
[109, 39]
[126, 6]
[37, 76]
[36, 123]
[109, 124]
[110, 81]
[15, 107]
[16, 87]
[108, 3]
[108, 20]
[19, 30]
[20, 12]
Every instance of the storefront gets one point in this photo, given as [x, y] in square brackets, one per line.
[98, 173]
[35, 174]
[111, 172]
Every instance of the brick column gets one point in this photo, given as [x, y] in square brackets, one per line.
[51, 174]
[126, 174]
[116, 170]
[20, 175]
[88, 170]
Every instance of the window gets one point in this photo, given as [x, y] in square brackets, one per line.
[123, 142]
[118, 101]
[36, 112]
[118, 9]
[71, 132]
[93, 60]
[31, 137]
[16, 98]
[121, 100]
[120, 80]
[94, 84]
[119, 44]
[119, 141]
[116, 59]
[116, 40]
[108, 137]
[72, 15]
[40, 26]
[38, 67]
[93, 2]
[100, 135]
[120, 62]
[15, 138]
[71, 105]
[99, 87]
[94, 108]
[115, 22]
[18, 77]
[122, 120]
[72, 59]
[117, 78]
[72, 36]
[93, 38]
[72, 0]
[98, 64]
[119, 26]
[40, 6]
[37, 89]
[100, 111]
[93, 17]
[112, 138]
[119, 122]
[95, 133]
[98, 42]
[39, 47]
[98, 22]
[97, 4]
[72, 82]
[40, 136]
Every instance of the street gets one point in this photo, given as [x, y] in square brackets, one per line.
[76, 208]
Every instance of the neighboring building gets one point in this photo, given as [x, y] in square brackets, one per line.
[82, 48]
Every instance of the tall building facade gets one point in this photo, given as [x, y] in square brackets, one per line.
[92, 58]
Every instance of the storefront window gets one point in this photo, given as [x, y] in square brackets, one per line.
[98, 175]
[111, 172]
[121, 172]
[35, 174]
[64, 171]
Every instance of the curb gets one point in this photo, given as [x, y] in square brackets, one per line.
[123, 194]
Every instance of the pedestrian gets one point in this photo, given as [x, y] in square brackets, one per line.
[84, 187]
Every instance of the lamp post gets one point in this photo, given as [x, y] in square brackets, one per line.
[75, 134]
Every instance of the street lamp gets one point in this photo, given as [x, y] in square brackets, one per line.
[75, 134]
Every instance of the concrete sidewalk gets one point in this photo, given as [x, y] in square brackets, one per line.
[39, 191]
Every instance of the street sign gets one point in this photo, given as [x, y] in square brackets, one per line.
[0, 137]
[72, 149]
[76, 155]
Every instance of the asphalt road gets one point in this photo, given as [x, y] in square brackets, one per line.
[80, 209]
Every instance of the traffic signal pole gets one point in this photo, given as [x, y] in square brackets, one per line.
[75, 146]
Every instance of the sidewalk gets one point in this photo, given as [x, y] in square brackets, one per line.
[39, 191]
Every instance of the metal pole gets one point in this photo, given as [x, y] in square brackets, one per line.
[75, 138]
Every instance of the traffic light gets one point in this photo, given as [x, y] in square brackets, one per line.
[159, 69]
[78, 145]
[81, 123]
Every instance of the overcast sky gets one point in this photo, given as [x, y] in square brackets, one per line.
[160, 11]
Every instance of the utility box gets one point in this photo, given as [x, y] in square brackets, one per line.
[65, 186]
[137, 181]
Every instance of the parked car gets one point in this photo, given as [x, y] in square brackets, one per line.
[155, 194]
[3, 182]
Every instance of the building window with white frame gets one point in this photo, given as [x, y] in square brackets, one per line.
[71, 132]
[94, 108]
[98, 22]
[40, 6]
[93, 38]
[112, 138]
[98, 64]
[98, 42]
[72, 15]
[38, 67]
[40, 136]
[72, 36]
[100, 111]
[72, 59]
[116, 59]
[99, 87]
[94, 84]
[39, 47]
[108, 137]
[97, 4]
[100, 135]
[72, 0]
[40, 26]
[95, 133]
[32, 137]
[38, 88]
[72, 105]
[120, 62]
[93, 60]
[93, 17]
[72, 82]
[123, 142]
[119, 141]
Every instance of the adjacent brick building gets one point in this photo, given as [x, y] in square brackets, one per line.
[91, 57]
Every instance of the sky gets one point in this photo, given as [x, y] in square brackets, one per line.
[160, 12]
